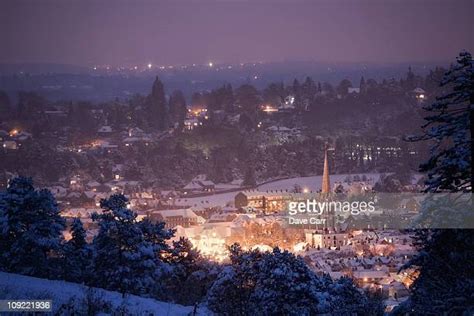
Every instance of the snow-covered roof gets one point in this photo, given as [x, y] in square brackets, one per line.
[200, 177]
[105, 129]
[193, 185]
[93, 184]
[179, 212]
[353, 90]
[237, 182]
[279, 128]
[207, 183]
[419, 90]
[370, 274]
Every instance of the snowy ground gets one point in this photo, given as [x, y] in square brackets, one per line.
[208, 201]
[312, 183]
[14, 286]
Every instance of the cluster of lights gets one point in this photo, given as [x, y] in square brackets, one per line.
[268, 109]
[150, 66]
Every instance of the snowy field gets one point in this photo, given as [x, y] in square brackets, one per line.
[208, 201]
[312, 183]
[14, 286]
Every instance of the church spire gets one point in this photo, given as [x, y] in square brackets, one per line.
[326, 185]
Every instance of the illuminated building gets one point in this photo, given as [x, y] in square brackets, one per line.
[179, 217]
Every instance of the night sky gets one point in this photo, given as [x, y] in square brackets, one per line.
[184, 32]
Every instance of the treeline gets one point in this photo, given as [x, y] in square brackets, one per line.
[224, 157]
[137, 257]
[157, 111]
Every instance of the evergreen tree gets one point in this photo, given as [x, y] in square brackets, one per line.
[124, 259]
[343, 87]
[177, 108]
[30, 229]
[77, 255]
[229, 99]
[308, 92]
[157, 109]
[297, 92]
[450, 125]
[78, 233]
[445, 261]
[362, 85]
[184, 258]
[248, 99]
[157, 235]
[4, 104]
[355, 302]
[279, 283]
[221, 173]
[184, 254]
[245, 122]
[249, 177]
[445, 264]
[410, 82]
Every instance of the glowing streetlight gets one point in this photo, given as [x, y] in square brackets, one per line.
[211, 64]
[149, 66]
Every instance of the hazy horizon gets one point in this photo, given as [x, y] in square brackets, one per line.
[165, 33]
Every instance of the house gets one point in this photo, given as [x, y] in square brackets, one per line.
[365, 277]
[269, 108]
[92, 185]
[289, 102]
[351, 90]
[192, 187]
[135, 132]
[419, 93]
[199, 184]
[266, 202]
[191, 123]
[58, 191]
[173, 218]
[75, 183]
[105, 130]
[208, 185]
[10, 144]
[326, 239]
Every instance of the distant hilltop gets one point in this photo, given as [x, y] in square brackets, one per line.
[41, 68]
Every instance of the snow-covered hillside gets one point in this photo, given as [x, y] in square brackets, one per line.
[312, 183]
[15, 286]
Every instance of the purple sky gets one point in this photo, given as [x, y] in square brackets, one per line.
[185, 31]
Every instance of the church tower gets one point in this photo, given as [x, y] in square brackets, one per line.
[326, 185]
